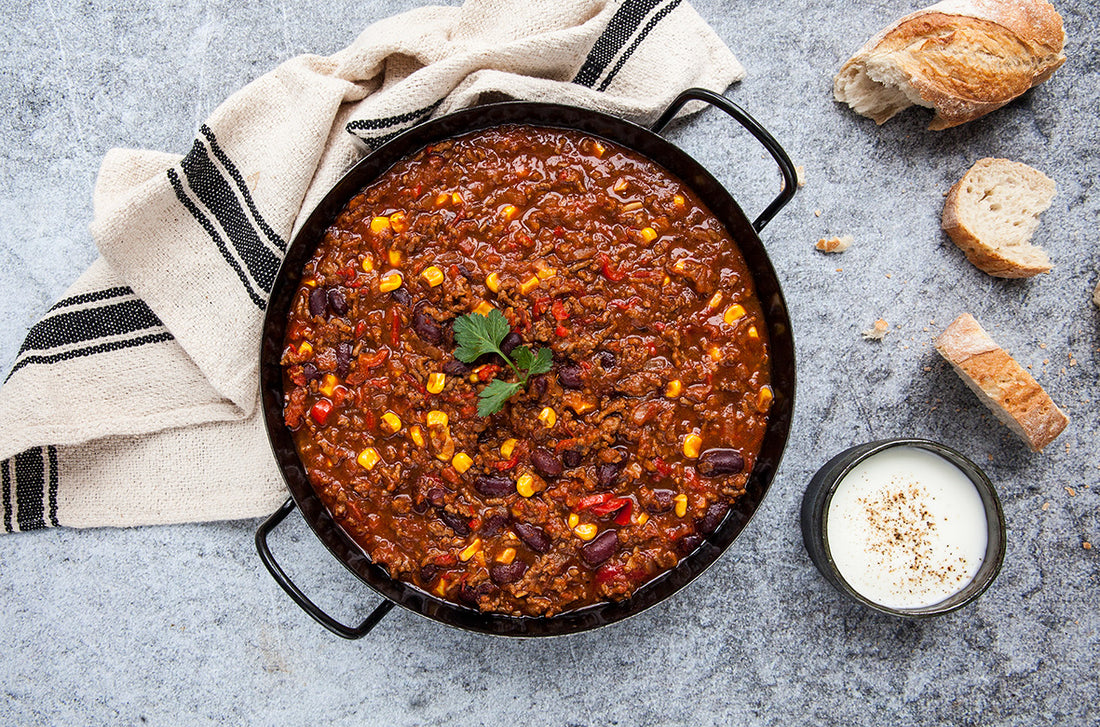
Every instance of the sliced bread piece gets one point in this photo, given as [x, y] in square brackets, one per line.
[992, 212]
[1001, 383]
[962, 58]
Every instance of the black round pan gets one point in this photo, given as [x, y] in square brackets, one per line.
[644, 141]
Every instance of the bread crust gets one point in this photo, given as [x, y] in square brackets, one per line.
[962, 58]
[1003, 385]
[984, 254]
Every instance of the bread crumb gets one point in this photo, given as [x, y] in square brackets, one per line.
[1046, 506]
[1071, 492]
[889, 275]
[877, 330]
[817, 213]
[840, 270]
[1042, 345]
[834, 244]
[800, 175]
[1086, 545]
[1096, 296]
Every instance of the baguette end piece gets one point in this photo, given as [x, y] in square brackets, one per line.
[1001, 383]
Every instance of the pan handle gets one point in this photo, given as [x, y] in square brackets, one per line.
[348, 632]
[786, 166]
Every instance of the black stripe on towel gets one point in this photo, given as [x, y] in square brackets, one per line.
[52, 451]
[93, 297]
[622, 26]
[92, 350]
[30, 480]
[65, 329]
[5, 483]
[181, 195]
[208, 184]
[388, 121]
[658, 17]
[238, 179]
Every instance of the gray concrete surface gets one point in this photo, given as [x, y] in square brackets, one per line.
[181, 625]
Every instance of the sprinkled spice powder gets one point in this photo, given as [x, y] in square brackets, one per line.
[906, 528]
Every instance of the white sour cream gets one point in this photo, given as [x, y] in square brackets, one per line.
[906, 528]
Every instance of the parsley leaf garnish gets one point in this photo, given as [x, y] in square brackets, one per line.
[478, 335]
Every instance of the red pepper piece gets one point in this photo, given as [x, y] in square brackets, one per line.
[590, 500]
[339, 394]
[662, 467]
[539, 306]
[561, 331]
[488, 371]
[609, 272]
[607, 572]
[610, 506]
[320, 411]
[623, 518]
[395, 326]
[509, 464]
[557, 309]
[360, 327]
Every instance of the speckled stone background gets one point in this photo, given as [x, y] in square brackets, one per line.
[181, 625]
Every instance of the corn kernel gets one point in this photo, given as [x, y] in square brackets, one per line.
[620, 185]
[573, 520]
[715, 353]
[525, 485]
[398, 222]
[643, 518]
[379, 224]
[599, 149]
[310, 283]
[681, 501]
[390, 281]
[416, 434]
[473, 379]
[528, 285]
[391, 423]
[436, 382]
[734, 313]
[394, 256]
[432, 275]
[764, 398]
[715, 300]
[507, 447]
[368, 458]
[483, 308]
[632, 206]
[506, 556]
[679, 200]
[437, 418]
[367, 264]
[548, 417]
[680, 265]
[509, 212]
[753, 333]
[692, 444]
[305, 349]
[666, 280]
[492, 282]
[442, 198]
[673, 388]
[456, 198]
[544, 271]
[585, 531]
[649, 234]
[469, 551]
[461, 462]
[441, 587]
[328, 384]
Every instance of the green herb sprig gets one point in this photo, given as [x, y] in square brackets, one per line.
[478, 335]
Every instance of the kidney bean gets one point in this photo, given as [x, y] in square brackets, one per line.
[337, 302]
[426, 327]
[539, 385]
[715, 462]
[533, 536]
[471, 595]
[688, 543]
[502, 574]
[494, 486]
[343, 358]
[318, 302]
[571, 458]
[600, 549]
[454, 367]
[510, 342]
[661, 502]
[428, 572]
[455, 522]
[607, 474]
[545, 462]
[606, 359]
[402, 296]
[436, 495]
[493, 524]
[310, 372]
[713, 516]
[569, 376]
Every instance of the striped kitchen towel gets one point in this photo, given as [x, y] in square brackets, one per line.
[135, 399]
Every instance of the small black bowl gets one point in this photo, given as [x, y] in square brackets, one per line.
[819, 495]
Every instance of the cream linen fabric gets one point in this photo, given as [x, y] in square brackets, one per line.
[135, 399]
